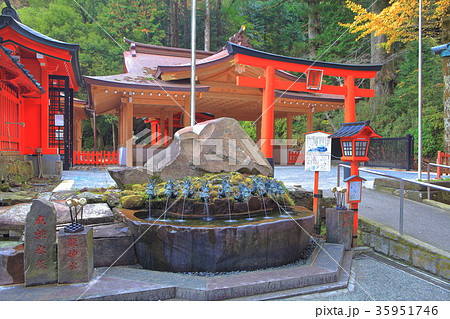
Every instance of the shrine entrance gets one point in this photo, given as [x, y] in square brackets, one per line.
[61, 117]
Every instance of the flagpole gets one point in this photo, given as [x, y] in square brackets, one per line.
[419, 145]
[193, 40]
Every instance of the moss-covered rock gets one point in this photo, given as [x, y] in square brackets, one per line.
[127, 193]
[15, 170]
[9, 199]
[138, 188]
[132, 202]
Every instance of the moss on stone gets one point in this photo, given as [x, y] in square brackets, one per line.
[132, 202]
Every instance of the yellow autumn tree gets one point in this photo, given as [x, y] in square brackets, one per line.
[399, 20]
[399, 23]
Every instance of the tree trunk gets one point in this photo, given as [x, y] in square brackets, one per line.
[384, 82]
[174, 25]
[445, 38]
[113, 136]
[218, 22]
[207, 26]
[313, 25]
[185, 25]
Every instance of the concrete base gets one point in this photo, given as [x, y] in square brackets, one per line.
[404, 248]
[51, 164]
[320, 274]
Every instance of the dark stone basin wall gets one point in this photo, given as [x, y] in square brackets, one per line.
[247, 246]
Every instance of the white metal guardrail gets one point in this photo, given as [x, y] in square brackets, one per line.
[428, 174]
[402, 186]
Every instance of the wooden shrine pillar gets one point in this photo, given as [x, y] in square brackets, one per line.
[121, 131]
[170, 126]
[127, 131]
[162, 122]
[289, 120]
[267, 119]
[350, 110]
[153, 133]
[309, 120]
[77, 135]
[258, 130]
[187, 112]
[45, 125]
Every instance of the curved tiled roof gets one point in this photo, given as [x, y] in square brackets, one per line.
[15, 60]
[236, 49]
[6, 20]
[350, 129]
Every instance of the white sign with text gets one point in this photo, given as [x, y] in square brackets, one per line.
[317, 152]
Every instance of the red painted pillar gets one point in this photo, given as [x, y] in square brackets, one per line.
[354, 170]
[350, 116]
[44, 125]
[153, 134]
[350, 110]
[267, 120]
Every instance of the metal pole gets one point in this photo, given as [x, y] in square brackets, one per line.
[193, 40]
[338, 175]
[402, 190]
[428, 180]
[419, 157]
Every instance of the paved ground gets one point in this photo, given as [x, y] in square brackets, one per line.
[385, 209]
[373, 280]
[88, 178]
[423, 222]
[426, 223]
[296, 175]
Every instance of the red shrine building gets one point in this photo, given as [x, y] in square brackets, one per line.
[237, 82]
[38, 77]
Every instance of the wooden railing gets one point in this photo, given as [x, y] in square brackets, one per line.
[296, 157]
[442, 159]
[101, 158]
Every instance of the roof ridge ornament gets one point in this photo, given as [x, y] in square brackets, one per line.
[9, 11]
[239, 38]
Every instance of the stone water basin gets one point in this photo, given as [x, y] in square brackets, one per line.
[219, 245]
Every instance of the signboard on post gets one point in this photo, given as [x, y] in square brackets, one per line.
[317, 152]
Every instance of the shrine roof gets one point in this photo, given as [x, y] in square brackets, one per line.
[354, 128]
[237, 49]
[20, 28]
[13, 62]
[139, 80]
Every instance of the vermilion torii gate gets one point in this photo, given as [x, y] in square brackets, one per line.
[268, 83]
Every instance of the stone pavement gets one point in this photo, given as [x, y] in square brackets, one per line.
[296, 175]
[432, 227]
[371, 278]
[78, 179]
[322, 272]
[424, 222]
[374, 279]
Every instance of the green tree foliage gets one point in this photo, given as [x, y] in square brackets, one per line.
[276, 26]
[65, 21]
[397, 116]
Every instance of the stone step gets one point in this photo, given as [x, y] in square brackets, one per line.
[131, 283]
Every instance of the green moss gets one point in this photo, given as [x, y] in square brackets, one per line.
[127, 193]
[132, 202]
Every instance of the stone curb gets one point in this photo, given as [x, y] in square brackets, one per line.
[437, 204]
[124, 283]
[407, 249]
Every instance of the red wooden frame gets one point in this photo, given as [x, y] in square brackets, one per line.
[100, 158]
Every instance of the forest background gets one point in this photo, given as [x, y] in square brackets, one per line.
[311, 29]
